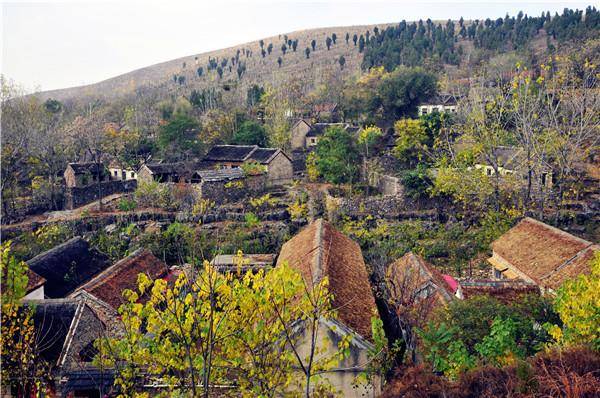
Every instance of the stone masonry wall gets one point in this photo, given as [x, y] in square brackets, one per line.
[79, 196]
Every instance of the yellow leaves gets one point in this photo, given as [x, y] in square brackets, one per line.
[297, 210]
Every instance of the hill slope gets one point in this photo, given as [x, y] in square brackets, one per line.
[259, 69]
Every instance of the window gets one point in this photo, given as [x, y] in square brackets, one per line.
[132, 174]
[498, 274]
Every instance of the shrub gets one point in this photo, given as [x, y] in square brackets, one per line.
[126, 204]
[153, 194]
[251, 220]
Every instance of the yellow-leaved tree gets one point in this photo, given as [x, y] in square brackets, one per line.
[578, 305]
[210, 330]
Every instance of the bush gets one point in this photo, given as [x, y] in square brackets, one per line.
[126, 204]
[153, 194]
[251, 219]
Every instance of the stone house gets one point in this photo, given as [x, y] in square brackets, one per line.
[67, 266]
[166, 172]
[121, 172]
[65, 332]
[442, 103]
[305, 135]
[412, 275]
[85, 174]
[327, 111]
[540, 254]
[276, 163]
[319, 251]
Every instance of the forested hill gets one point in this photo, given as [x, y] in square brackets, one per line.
[315, 55]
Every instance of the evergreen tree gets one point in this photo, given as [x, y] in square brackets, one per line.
[283, 48]
[279, 61]
[347, 37]
[354, 38]
[334, 38]
[270, 48]
[307, 52]
[328, 42]
[342, 62]
[313, 44]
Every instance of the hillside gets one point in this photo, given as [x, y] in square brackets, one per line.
[258, 69]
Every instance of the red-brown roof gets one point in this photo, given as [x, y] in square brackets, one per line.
[108, 286]
[543, 253]
[320, 250]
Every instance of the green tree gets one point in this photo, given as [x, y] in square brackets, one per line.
[347, 37]
[250, 133]
[313, 44]
[307, 52]
[178, 138]
[342, 61]
[334, 38]
[337, 157]
[328, 42]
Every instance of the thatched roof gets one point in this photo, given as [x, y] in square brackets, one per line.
[318, 251]
[67, 266]
[412, 272]
[108, 286]
[543, 253]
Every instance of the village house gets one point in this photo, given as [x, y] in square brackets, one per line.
[277, 165]
[109, 284]
[540, 254]
[319, 251]
[166, 172]
[305, 135]
[412, 275]
[85, 174]
[67, 266]
[442, 103]
[65, 333]
[247, 262]
[35, 286]
[121, 171]
[327, 111]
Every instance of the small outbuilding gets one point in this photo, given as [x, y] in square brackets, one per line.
[85, 174]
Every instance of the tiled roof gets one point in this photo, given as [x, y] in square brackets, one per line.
[220, 174]
[320, 250]
[34, 281]
[67, 266]
[263, 155]
[543, 253]
[230, 153]
[108, 286]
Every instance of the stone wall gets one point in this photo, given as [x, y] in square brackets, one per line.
[232, 191]
[389, 185]
[78, 196]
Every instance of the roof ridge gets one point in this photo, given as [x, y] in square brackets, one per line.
[567, 262]
[318, 270]
[557, 230]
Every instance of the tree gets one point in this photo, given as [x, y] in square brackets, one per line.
[307, 52]
[254, 94]
[250, 133]
[276, 121]
[261, 43]
[412, 142]
[270, 48]
[22, 368]
[342, 61]
[279, 61]
[328, 42]
[294, 45]
[178, 138]
[283, 48]
[263, 53]
[355, 39]
[334, 38]
[367, 138]
[220, 72]
[337, 157]
[361, 44]
[200, 71]
[313, 44]
[347, 37]
[577, 305]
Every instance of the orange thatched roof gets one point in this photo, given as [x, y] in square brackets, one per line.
[318, 251]
[411, 274]
[543, 253]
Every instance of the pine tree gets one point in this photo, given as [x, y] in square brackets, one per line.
[328, 42]
[307, 52]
